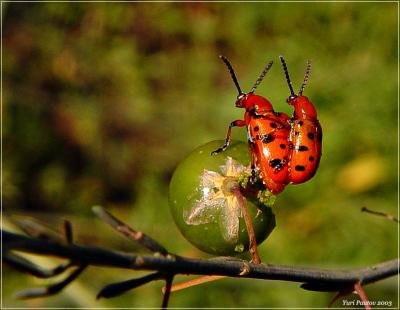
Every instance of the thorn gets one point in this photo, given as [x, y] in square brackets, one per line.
[193, 282]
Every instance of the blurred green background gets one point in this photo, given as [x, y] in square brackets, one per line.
[102, 100]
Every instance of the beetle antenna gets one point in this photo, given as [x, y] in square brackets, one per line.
[260, 78]
[306, 77]
[232, 72]
[287, 75]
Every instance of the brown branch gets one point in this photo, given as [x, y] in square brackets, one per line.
[167, 291]
[249, 225]
[387, 216]
[363, 296]
[165, 266]
[24, 265]
[314, 279]
[51, 289]
[116, 289]
[138, 236]
[21, 263]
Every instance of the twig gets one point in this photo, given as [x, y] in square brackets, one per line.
[249, 226]
[116, 289]
[38, 230]
[166, 266]
[388, 216]
[138, 236]
[25, 265]
[145, 241]
[339, 294]
[19, 262]
[69, 236]
[363, 296]
[167, 291]
[355, 288]
[51, 289]
[315, 279]
[194, 282]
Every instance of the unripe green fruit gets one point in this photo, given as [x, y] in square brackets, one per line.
[205, 210]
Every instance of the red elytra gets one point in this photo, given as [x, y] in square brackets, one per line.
[268, 133]
[282, 150]
[305, 134]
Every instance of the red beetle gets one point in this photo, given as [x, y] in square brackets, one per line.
[305, 137]
[267, 134]
[283, 150]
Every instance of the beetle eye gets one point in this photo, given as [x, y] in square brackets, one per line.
[241, 96]
[239, 100]
[291, 97]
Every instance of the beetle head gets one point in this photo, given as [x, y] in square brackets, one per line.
[303, 108]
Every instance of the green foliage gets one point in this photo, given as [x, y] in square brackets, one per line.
[101, 101]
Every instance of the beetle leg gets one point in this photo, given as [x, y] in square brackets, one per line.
[253, 177]
[237, 123]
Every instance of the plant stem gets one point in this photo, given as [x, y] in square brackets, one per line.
[249, 225]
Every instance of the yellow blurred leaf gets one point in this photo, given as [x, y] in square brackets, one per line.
[362, 174]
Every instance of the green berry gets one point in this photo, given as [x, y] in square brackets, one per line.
[204, 207]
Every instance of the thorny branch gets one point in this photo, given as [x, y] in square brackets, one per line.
[166, 265]
[385, 215]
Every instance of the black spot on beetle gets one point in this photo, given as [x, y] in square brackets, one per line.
[319, 136]
[310, 135]
[311, 158]
[301, 148]
[275, 163]
[282, 146]
[296, 133]
[273, 125]
[301, 123]
[256, 128]
[268, 139]
[299, 168]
